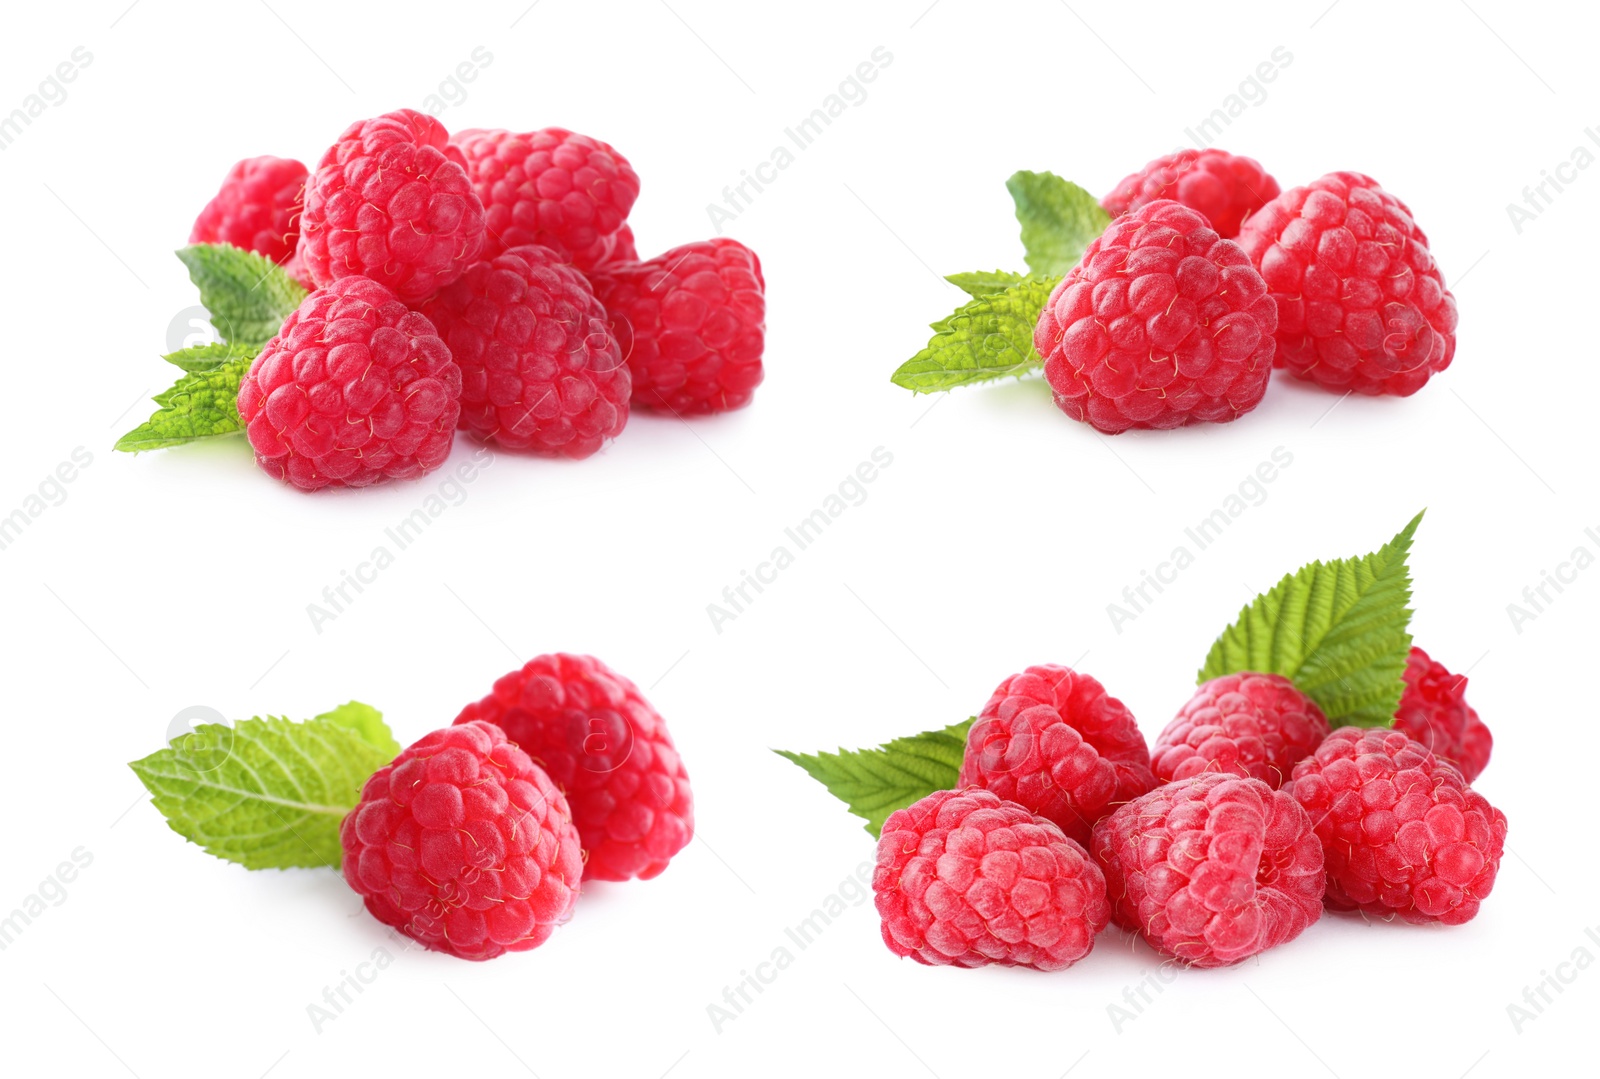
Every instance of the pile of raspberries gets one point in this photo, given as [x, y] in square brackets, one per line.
[485, 280]
[475, 840]
[1209, 276]
[1229, 837]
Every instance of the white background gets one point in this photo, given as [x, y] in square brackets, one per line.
[995, 539]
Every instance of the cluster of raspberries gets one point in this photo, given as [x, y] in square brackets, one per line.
[476, 839]
[1209, 276]
[1227, 838]
[485, 280]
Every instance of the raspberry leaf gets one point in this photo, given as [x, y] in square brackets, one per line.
[201, 404]
[247, 294]
[1059, 219]
[981, 283]
[1338, 630]
[987, 338]
[875, 782]
[266, 793]
[368, 722]
[208, 357]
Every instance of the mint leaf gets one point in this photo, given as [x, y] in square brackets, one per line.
[209, 356]
[202, 404]
[367, 722]
[1059, 219]
[876, 782]
[1338, 630]
[981, 283]
[266, 793]
[247, 294]
[987, 338]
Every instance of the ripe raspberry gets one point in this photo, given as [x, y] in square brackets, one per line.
[258, 208]
[1224, 187]
[1057, 743]
[610, 753]
[1434, 711]
[1255, 725]
[1403, 832]
[965, 879]
[1361, 304]
[540, 368]
[691, 323]
[1161, 324]
[354, 389]
[388, 202]
[553, 187]
[1212, 869]
[464, 845]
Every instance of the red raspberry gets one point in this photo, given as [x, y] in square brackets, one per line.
[1403, 832]
[354, 389]
[1361, 304]
[1434, 711]
[552, 187]
[1224, 187]
[388, 202]
[540, 368]
[609, 751]
[464, 845]
[692, 324]
[1161, 324]
[965, 879]
[1255, 725]
[1057, 743]
[258, 208]
[1212, 869]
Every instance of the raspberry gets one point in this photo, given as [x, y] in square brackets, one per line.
[1434, 710]
[540, 369]
[464, 845]
[1057, 743]
[258, 208]
[965, 879]
[691, 323]
[552, 187]
[609, 751]
[1224, 187]
[1161, 324]
[1212, 869]
[1361, 304]
[354, 389]
[1403, 832]
[1255, 725]
[389, 202]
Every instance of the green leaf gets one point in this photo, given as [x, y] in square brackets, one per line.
[202, 404]
[209, 356]
[1059, 219]
[247, 294]
[1338, 630]
[366, 721]
[985, 339]
[266, 793]
[876, 782]
[981, 283]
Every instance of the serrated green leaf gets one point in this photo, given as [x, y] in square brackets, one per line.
[984, 339]
[366, 721]
[876, 782]
[981, 283]
[248, 295]
[209, 356]
[1338, 630]
[201, 404]
[1059, 219]
[266, 793]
